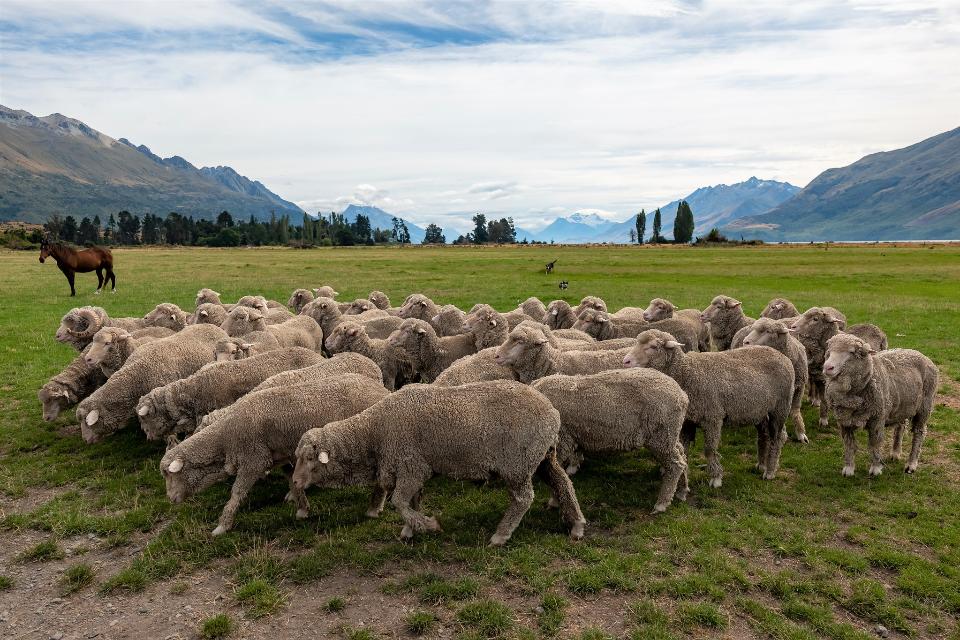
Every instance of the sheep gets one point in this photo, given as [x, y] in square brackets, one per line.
[479, 367]
[572, 334]
[352, 337]
[155, 364]
[775, 334]
[448, 321]
[660, 309]
[516, 316]
[487, 326]
[80, 324]
[112, 346]
[326, 291]
[534, 308]
[253, 302]
[474, 431]
[358, 306]
[298, 331]
[208, 313]
[602, 326]
[752, 385]
[208, 296]
[258, 432]
[427, 353]
[277, 315]
[299, 299]
[419, 306]
[77, 381]
[725, 315]
[251, 344]
[180, 405]
[528, 352]
[338, 365]
[813, 329]
[622, 410]
[869, 389]
[779, 309]
[590, 302]
[560, 315]
[379, 299]
[327, 314]
[165, 314]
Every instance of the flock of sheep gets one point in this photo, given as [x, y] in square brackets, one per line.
[331, 391]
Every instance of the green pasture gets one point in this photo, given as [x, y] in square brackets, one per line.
[808, 555]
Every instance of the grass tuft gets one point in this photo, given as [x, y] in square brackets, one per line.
[701, 614]
[420, 622]
[335, 605]
[42, 552]
[215, 627]
[259, 598]
[75, 578]
[487, 618]
[6, 582]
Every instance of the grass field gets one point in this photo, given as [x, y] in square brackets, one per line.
[808, 555]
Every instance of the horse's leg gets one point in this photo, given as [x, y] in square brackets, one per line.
[99, 279]
[112, 277]
[69, 275]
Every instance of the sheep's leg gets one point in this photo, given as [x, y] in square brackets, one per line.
[299, 498]
[241, 487]
[777, 437]
[875, 438]
[688, 433]
[824, 406]
[674, 465]
[763, 445]
[521, 497]
[848, 433]
[377, 501]
[812, 393]
[683, 482]
[896, 449]
[408, 486]
[711, 443]
[919, 427]
[797, 417]
[562, 489]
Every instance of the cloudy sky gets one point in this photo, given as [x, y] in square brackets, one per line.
[435, 110]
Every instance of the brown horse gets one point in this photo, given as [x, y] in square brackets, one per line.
[72, 261]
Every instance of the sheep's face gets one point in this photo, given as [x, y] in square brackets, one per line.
[318, 465]
[166, 315]
[485, 319]
[322, 310]
[358, 306]
[591, 322]
[207, 296]
[767, 333]
[103, 344]
[379, 300]
[654, 349]
[242, 320]
[519, 342]
[152, 420]
[779, 308]
[298, 299]
[185, 477]
[591, 302]
[845, 351]
[93, 425]
[815, 322]
[416, 306]
[721, 307]
[409, 335]
[326, 291]
[54, 399]
[232, 349]
[343, 337]
[207, 313]
[659, 309]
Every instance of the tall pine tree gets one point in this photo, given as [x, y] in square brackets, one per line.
[657, 225]
[641, 224]
[683, 224]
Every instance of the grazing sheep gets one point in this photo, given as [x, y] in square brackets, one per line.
[622, 410]
[572, 334]
[111, 346]
[779, 309]
[603, 326]
[299, 299]
[208, 313]
[871, 390]
[80, 324]
[449, 321]
[660, 309]
[752, 385]
[725, 315]
[327, 313]
[560, 315]
[179, 406]
[479, 367]
[297, 331]
[155, 364]
[590, 302]
[339, 365]
[472, 432]
[258, 432]
[352, 337]
[166, 314]
[358, 306]
[77, 381]
[528, 352]
[766, 332]
[427, 353]
[246, 346]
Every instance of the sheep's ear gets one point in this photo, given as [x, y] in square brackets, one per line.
[493, 322]
[352, 331]
[829, 318]
[435, 319]
[204, 313]
[246, 346]
[673, 344]
[175, 466]
[781, 328]
[554, 312]
[92, 418]
[422, 303]
[216, 293]
[144, 410]
[323, 458]
[173, 316]
[421, 330]
[315, 291]
[778, 306]
[731, 303]
[601, 319]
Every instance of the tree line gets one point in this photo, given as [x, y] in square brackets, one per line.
[682, 226]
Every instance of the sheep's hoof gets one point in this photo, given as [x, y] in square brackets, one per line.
[302, 514]
[576, 531]
[716, 483]
[97, 292]
[824, 422]
[876, 469]
[572, 469]
[219, 531]
[910, 468]
[433, 525]
[802, 437]
[894, 455]
[553, 503]
[288, 497]
[815, 402]
[497, 540]
[681, 495]
[406, 533]
[373, 513]
[847, 471]
[660, 507]
[769, 476]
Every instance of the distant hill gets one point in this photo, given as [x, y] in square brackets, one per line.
[383, 220]
[907, 194]
[57, 164]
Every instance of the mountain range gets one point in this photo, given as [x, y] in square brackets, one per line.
[910, 193]
[57, 164]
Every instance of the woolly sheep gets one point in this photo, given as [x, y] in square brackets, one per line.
[871, 390]
[516, 316]
[358, 306]
[179, 406]
[298, 331]
[166, 314]
[251, 344]
[560, 315]
[534, 308]
[80, 324]
[603, 326]
[338, 365]
[471, 432]
[529, 354]
[326, 291]
[479, 367]
[253, 302]
[622, 410]
[487, 326]
[590, 302]
[299, 299]
[258, 432]
[327, 313]
[208, 313]
[208, 296]
[752, 385]
[771, 333]
[155, 364]
[77, 381]
[112, 346]
[661, 309]
[420, 307]
[779, 309]
[352, 337]
[725, 315]
[448, 321]
[427, 353]
[379, 299]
